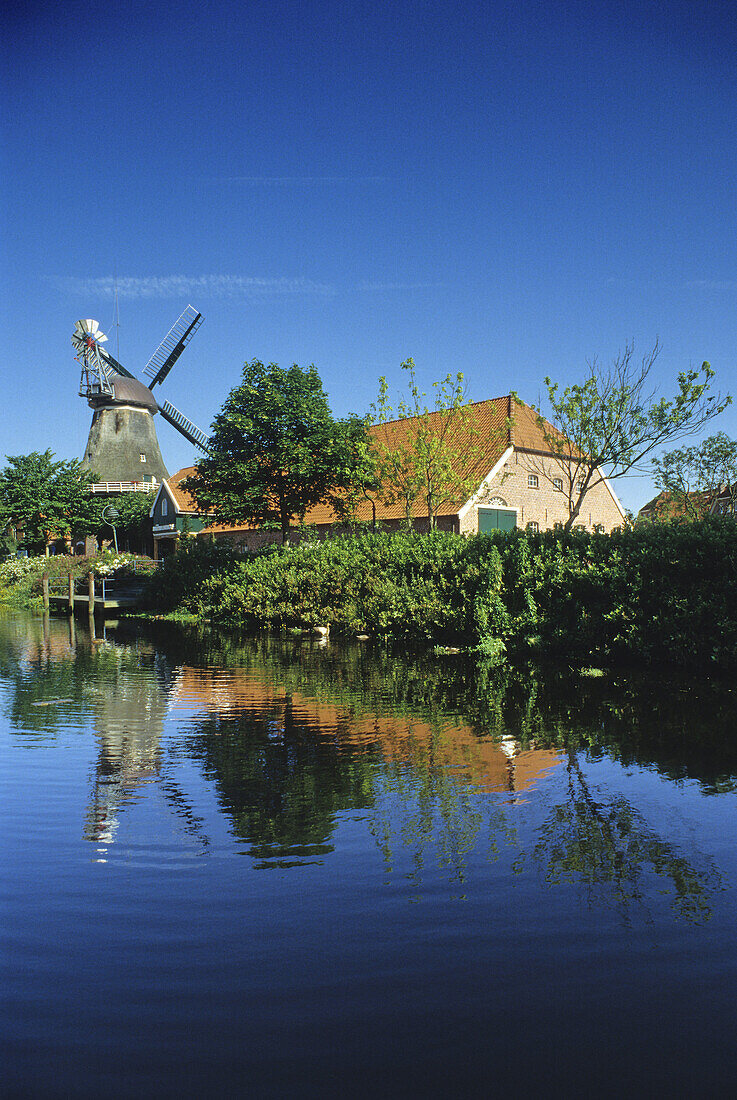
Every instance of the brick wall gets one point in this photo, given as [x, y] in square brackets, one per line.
[544, 505]
[247, 539]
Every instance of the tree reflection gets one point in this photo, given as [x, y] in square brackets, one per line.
[282, 781]
[429, 752]
[609, 849]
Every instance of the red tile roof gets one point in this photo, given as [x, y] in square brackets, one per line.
[486, 435]
[666, 506]
[184, 501]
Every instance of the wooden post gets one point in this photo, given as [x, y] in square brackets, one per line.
[45, 589]
[70, 607]
[91, 597]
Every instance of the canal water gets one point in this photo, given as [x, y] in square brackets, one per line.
[268, 868]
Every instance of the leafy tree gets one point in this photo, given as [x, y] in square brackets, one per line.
[610, 424]
[362, 483]
[275, 450]
[44, 498]
[694, 477]
[131, 522]
[435, 454]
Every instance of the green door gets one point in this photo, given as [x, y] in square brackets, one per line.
[497, 519]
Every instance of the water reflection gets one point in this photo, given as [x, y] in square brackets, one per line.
[444, 762]
[286, 764]
[605, 844]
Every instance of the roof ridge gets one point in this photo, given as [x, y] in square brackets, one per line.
[467, 404]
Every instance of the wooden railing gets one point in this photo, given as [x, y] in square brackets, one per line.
[124, 487]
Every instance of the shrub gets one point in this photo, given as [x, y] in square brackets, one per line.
[657, 593]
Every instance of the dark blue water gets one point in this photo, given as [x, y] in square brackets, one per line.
[278, 869]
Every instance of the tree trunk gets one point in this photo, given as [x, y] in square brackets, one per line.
[575, 512]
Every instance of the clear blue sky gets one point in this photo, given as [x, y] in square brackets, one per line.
[503, 189]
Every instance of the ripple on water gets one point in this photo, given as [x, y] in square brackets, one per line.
[450, 872]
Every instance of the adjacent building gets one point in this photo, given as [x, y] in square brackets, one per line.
[520, 483]
[174, 514]
[698, 504]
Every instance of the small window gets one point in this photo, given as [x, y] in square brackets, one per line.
[143, 458]
[532, 481]
[599, 528]
[557, 526]
[533, 527]
[165, 507]
[558, 484]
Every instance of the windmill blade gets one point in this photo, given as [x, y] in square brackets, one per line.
[172, 346]
[87, 333]
[184, 426]
[103, 367]
[91, 328]
[113, 364]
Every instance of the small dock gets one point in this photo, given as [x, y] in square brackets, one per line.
[111, 602]
[93, 596]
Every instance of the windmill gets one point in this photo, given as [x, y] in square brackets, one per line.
[122, 444]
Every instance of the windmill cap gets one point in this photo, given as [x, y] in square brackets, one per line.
[128, 391]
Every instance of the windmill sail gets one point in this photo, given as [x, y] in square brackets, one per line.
[113, 365]
[172, 346]
[184, 426]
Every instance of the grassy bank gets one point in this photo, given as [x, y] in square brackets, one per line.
[662, 594]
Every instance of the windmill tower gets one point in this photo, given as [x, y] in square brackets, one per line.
[122, 446]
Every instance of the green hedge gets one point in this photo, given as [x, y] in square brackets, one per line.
[662, 593]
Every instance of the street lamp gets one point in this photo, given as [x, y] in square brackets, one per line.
[109, 514]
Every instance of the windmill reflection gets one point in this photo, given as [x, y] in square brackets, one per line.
[128, 716]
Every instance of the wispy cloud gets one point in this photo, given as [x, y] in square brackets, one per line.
[300, 181]
[398, 286]
[713, 284]
[182, 286]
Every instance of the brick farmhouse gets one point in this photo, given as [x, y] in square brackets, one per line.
[521, 483]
